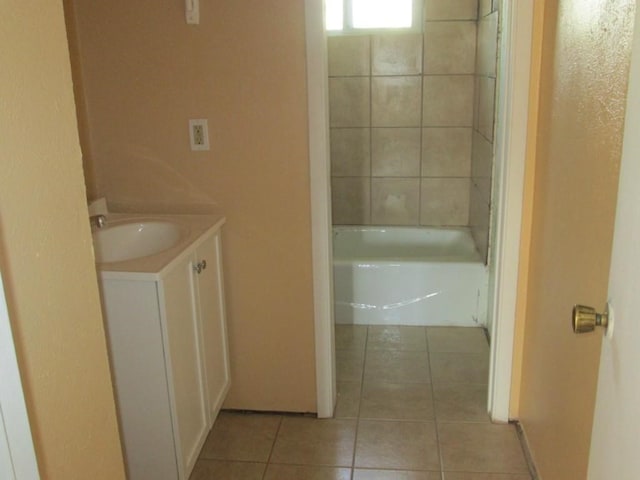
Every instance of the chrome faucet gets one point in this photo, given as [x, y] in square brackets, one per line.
[98, 221]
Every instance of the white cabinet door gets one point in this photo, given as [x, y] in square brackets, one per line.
[211, 302]
[184, 368]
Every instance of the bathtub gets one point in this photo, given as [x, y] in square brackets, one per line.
[408, 276]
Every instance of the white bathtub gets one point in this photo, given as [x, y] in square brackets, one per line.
[408, 276]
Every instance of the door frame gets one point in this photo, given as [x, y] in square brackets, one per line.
[513, 87]
[511, 137]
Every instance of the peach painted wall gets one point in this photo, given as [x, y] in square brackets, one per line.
[583, 77]
[144, 73]
[46, 253]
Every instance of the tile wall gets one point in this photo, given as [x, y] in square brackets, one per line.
[411, 119]
[401, 115]
[483, 124]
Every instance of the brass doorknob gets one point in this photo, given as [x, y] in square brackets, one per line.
[586, 319]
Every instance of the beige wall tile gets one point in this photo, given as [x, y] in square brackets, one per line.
[481, 156]
[444, 201]
[446, 152]
[478, 208]
[350, 152]
[349, 55]
[395, 101]
[396, 54]
[486, 107]
[476, 101]
[448, 101]
[485, 7]
[487, 45]
[451, 9]
[395, 201]
[349, 101]
[351, 200]
[449, 47]
[479, 218]
[481, 240]
[483, 184]
[395, 152]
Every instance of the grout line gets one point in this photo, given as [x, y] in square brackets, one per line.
[370, 219]
[433, 402]
[273, 446]
[355, 437]
[524, 444]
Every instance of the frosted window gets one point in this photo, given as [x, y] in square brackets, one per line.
[334, 14]
[367, 16]
[382, 13]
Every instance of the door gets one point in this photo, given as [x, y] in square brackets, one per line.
[616, 426]
[214, 330]
[178, 288]
[585, 52]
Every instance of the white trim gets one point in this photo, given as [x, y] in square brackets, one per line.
[17, 455]
[318, 104]
[511, 143]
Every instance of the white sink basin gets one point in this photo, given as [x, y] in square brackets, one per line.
[135, 239]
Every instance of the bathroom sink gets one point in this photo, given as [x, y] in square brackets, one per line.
[135, 239]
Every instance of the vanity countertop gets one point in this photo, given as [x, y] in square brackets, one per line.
[152, 267]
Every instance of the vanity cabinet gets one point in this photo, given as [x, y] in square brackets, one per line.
[169, 356]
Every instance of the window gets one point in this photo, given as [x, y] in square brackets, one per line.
[363, 16]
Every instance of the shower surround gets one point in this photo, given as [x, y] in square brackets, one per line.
[411, 119]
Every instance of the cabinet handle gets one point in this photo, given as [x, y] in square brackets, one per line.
[200, 266]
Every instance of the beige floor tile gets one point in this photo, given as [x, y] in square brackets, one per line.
[241, 437]
[309, 441]
[457, 339]
[351, 337]
[297, 472]
[460, 402]
[348, 401]
[394, 475]
[397, 338]
[397, 445]
[484, 476]
[459, 367]
[349, 365]
[397, 367]
[217, 469]
[478, 447]
[397, 401]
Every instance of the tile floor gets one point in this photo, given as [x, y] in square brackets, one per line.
[411, 406]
